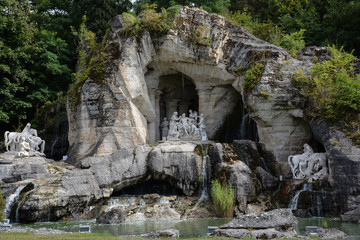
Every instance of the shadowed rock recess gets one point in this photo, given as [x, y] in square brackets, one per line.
[114, 130]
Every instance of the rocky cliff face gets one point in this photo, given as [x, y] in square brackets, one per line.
[125, 112]
[46, 190]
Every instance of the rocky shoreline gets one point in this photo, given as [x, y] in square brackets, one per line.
[19, 229]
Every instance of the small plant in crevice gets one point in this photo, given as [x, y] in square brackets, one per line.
[201, 35]
[253, 75]
[223, 196]
[91, 63]
[150, 20]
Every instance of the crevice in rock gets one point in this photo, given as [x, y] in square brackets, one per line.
[162, 188]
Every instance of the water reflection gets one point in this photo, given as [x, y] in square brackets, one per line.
[352, 229]
[188, 228]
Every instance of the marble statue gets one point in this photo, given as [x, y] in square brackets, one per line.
[184, 127]
[202, 127]
[164, 128]
[26, 144]
[308, 164]
[174, 132]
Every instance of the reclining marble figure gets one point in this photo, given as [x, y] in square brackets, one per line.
[26, 144]
[308, 164]
[192, 127]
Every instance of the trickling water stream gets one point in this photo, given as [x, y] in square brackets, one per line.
[11, 200]
[20, 204]
[294, 201]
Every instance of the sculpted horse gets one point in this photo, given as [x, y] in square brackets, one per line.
[298, 162]
[12, 139]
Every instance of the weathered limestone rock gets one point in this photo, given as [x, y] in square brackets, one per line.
[177, 162]
[111, 216]
[120, 169]
[238, 174]
[127, 113]
[167, 233]
[343, 163]
[278, 218]
[352, 216]
[277, 223]
[331, 233]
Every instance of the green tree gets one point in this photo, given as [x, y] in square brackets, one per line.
[342, 24]
[50, 71]
[17, 47]
[98, 13]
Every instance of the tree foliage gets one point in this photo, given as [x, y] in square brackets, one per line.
[17, 47]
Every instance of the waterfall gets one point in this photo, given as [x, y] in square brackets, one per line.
[20, 204]
[244, 125]
[205, 176]
[264, 164]
[11, 200]
[204, 179]
[316, 205]
[294, 201]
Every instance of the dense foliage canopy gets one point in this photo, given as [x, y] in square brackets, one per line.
[39, 50]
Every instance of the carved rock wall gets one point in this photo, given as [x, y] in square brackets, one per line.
[126, 113]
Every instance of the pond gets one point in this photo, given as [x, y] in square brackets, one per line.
[188, 228]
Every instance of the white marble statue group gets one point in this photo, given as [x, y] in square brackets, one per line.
[192, 127]
[308, 165]
[25, 143]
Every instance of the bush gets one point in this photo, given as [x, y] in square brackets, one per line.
[92, 59]
[293, 42]
[253, 75]
[333, 90]
[150, 20]
[224, 199]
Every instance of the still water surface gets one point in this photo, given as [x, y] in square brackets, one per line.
[187, 227]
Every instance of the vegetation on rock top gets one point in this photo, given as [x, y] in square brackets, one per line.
[333, 90]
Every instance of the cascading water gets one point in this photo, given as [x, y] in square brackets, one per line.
[11, 200]
[20, 204]
[204, 192]
[294, 201]
[205, 176]
[316, 206]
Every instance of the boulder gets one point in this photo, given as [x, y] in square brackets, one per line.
[278, 223]
[167, 233]
[351, 216]
[277, 219]
[111, 216]
[178, 163]
[331, 233]
[268, 181]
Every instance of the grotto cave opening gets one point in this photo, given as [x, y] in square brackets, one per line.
[163, 188]
[178, 94]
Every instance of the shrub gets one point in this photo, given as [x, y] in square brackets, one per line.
[92, 59]
[150, 20]
[224, 199]
[293, 42]
[253, 75]
[333, 90]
